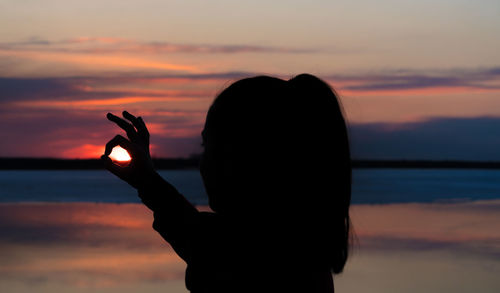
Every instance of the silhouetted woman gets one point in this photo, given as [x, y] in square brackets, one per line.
[276, 168]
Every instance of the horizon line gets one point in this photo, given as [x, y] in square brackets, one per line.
[40, 163]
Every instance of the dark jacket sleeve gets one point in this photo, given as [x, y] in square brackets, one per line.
[174, 216]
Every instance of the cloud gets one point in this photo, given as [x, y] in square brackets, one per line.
[108, 45]
[62, 114]
[65, 117]
[473, 138]
[406, 80]
[402, 83]
[103, 87]
[14, 89]
[32, 132]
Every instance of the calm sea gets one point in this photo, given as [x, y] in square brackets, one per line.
[373, 186]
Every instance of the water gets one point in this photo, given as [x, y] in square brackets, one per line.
[87, 186]
[374, 186]
[424, 185]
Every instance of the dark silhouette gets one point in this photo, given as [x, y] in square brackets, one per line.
[277, 171]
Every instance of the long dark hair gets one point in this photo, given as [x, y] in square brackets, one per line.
[285, 150]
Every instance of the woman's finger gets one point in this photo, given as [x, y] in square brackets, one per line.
[138, 124]
[130, 118]
[119, 171]
[142, 126]
[129, 128]
[118, 141]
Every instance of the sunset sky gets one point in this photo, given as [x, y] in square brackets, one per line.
[417, 79]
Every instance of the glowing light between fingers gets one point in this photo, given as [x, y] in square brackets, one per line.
[119, 154]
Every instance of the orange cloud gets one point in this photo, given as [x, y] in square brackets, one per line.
[165, 130]
[86, 151]
[99, 61]
[93, 103]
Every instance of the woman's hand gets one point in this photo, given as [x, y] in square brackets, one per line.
[140, 170]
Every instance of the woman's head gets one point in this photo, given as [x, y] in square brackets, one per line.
[280, 149]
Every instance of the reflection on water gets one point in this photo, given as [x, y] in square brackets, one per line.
[73, 246]
[452, 247]
[82, 247]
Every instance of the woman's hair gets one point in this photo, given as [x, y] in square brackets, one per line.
[285, 150]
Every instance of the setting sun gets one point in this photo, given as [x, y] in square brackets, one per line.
[119, 154]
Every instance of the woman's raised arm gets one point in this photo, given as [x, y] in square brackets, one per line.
[174, 215]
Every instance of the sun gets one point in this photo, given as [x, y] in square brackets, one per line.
[119, 154]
